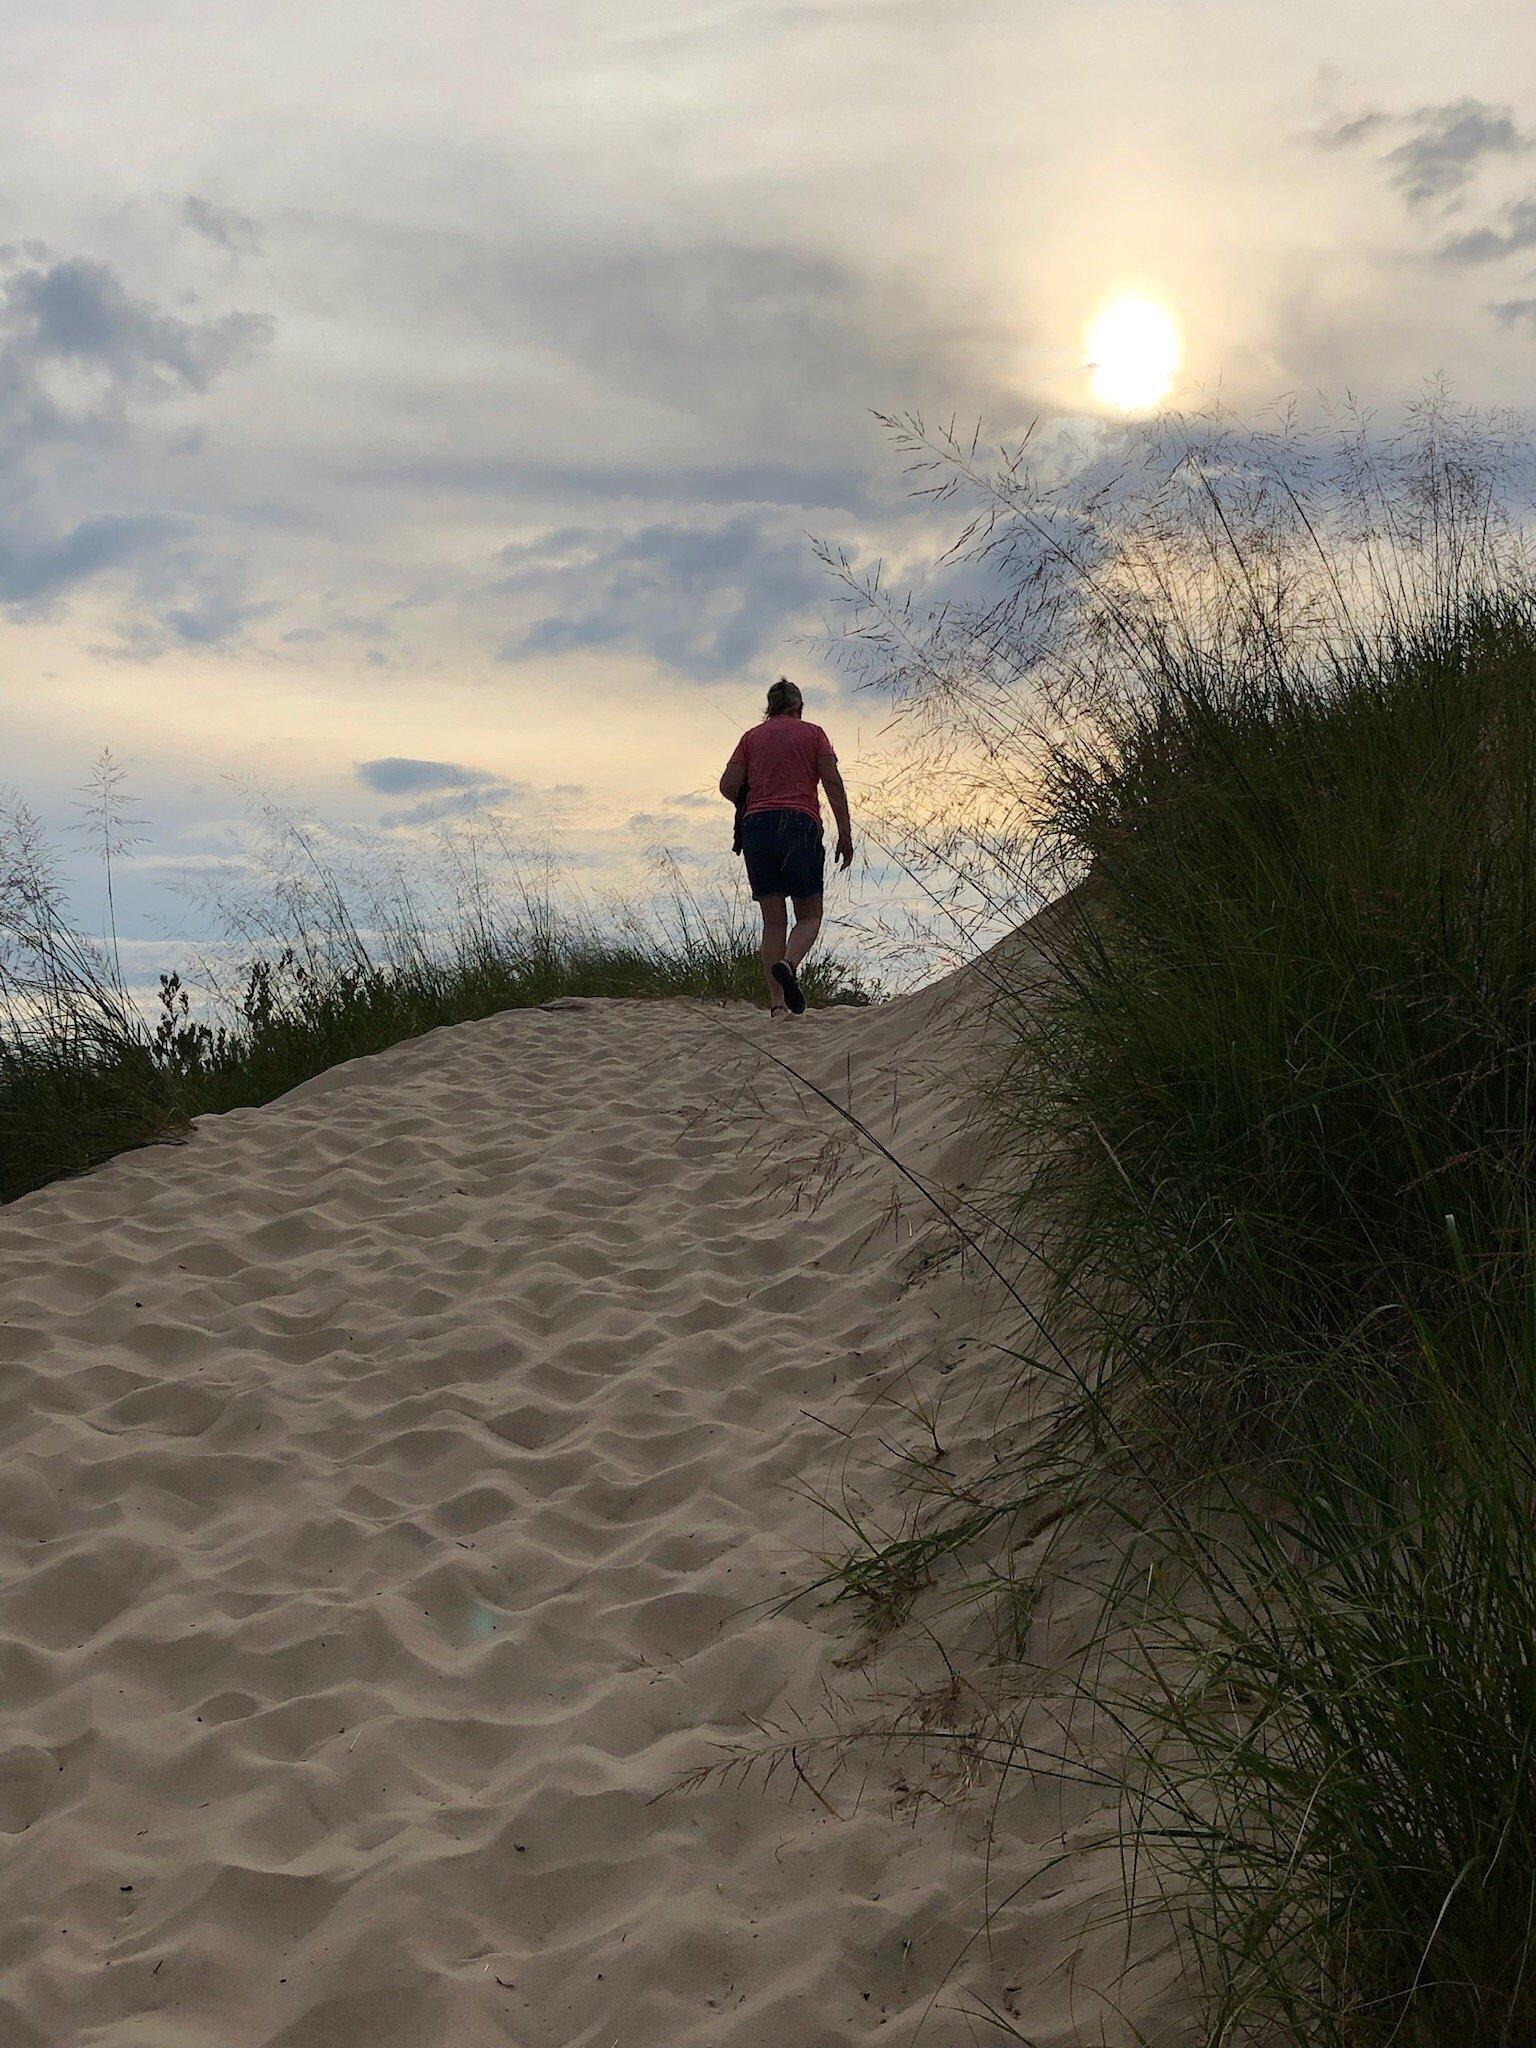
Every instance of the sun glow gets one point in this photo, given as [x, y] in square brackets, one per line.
[1134, 350]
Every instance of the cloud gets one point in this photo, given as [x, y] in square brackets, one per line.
[1442, 149]
[1516, 233]
[182, 593]
[725, 367]
[707, 600]
[84, 361]
[398, 775]
[446, 789]
[212, 618]
[721, 388]
[32, 574]
[79, 311]
[1516, 312]
[1344, 134]
[1447, 145]
[453, 804]
[675, 814]
[582, 480]
[726, 324]
[222, 225]
[174, 595]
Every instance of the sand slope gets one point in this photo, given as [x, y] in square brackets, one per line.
[393, 1481]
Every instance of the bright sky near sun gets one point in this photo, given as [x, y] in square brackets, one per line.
[399, 402]
[1134, 352]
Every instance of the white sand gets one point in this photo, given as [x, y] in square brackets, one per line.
[393, 1479]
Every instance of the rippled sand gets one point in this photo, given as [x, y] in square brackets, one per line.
[397, 1482]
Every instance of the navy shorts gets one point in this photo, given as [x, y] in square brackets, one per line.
[784, 854]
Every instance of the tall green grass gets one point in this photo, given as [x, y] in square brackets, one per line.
[1267, 728]
[1281, 1108]
[327, 954]
[1330, 1719]
[1281, 1105]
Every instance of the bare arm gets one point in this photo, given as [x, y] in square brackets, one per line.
[837, 797]
[731, 781]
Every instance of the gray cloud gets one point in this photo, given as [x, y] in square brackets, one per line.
[1344, 134]
[398, 775]
[33, 573]
[1446, 146]
[706, 600]
[741, 369]
[1515, 233]
[84, 363]
[726, 386]
[722, 387]
[222, 225]
[1516, 312]
[212, 617]
[173, 594]
[79, 310]
[582, 480]
[446, 789]
[734, 326]
[183, 593]
[455, 804]
[1442, 149]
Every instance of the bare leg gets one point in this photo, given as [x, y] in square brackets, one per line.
[775, 927]
[807, 925]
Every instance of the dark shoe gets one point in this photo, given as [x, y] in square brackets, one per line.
[787, 979]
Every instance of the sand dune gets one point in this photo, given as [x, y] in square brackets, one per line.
[397, 1483]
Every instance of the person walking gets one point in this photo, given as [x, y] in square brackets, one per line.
[772, 779]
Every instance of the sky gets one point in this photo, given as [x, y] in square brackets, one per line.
[407, 407]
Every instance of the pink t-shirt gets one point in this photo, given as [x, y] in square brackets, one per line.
[782, 758]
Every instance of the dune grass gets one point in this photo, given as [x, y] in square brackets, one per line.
[1272, 1122]
[1282, 1102]
[1330, 1719]
[334, 958]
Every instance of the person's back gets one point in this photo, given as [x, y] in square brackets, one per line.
[781, 758]
[772, 778]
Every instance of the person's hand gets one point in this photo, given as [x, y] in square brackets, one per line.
[845, 852]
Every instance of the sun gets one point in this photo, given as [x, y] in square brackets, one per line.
[1134, 350]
